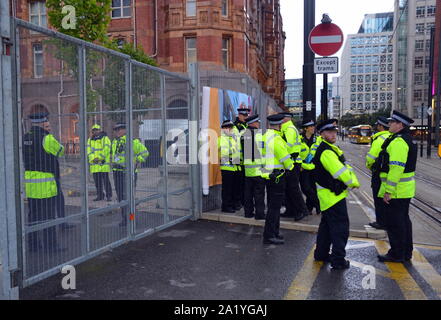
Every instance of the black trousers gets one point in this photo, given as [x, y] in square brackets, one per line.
[119, 179]
[399, 228]
[102, 180]
[378, 202]
[59, 201]
[333, 230]
[309, 190]
[229, 185]
[40, 211]
[276, 193]
[254, 196]
[295, 205]
[239, 187]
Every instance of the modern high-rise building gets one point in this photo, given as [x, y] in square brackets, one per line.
[294, 97]
[415, 20]
[367, 66]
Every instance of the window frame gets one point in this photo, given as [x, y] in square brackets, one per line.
[225, 4]
[121, 7]
[226, 51]
[188, 7]
[41, 4]
[34, 61]
[187, 49]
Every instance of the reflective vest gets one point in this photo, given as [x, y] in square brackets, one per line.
[140, 153]
[292, 137]
[397, 164]
[252, 150]
[331, 175]
[229, 153]
[98, 153]
[377, 141]
[40, 154]
[306, 145]
[315, 146]
[238, 131]
[276, 155]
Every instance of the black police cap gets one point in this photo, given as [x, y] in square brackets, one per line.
[400, 117]
[39, 117]
[275, 118]
[287, 114]
[119, 125]
[252, 119]
[308, 123]
[244, 111]
[326, 125]
[227, 124]
[383, 121]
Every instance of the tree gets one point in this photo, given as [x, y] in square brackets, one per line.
[350, 120]
[91, 24]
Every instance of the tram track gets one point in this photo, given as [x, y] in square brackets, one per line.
[423, 206]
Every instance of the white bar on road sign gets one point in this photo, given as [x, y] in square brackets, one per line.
[308, 105]
[326, 39]
[326, 65]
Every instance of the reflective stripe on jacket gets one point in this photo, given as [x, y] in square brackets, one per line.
[377, 141]
[140, 153]
[398, 183]
[229, 153]
[253, 159]
[292, 137]
[99, 149]
[276, 155]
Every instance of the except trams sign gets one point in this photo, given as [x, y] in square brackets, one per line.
[326, 65]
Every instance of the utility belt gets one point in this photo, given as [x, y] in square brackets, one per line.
[336, 186]
[294, 156]
[277, 174]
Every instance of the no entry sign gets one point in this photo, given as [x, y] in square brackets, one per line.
[325, 39]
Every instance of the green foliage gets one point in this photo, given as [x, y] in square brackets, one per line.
[350, 120]
[92, 18]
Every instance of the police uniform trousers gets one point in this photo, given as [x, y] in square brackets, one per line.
[254, 197]
[333, 230]
[119, 178]
[59, 200]
[41, 211]
[276, 193]
[239, 187]
[399, 228]
[309, 190]
[378, 202]
[102, 180]
[295, 205]
[229, 185]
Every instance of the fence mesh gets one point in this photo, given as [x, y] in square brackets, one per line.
[99, 166]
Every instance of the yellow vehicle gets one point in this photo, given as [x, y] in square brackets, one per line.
[360, 134]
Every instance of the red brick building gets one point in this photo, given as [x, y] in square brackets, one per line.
[238, 36]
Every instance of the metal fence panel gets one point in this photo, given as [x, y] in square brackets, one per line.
[97, 188]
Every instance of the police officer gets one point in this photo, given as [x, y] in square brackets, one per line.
[254, 183]
[98, 153]
[277, 161]
[240, 126]
[229, 165]
[332, 177]
[40, 154]
[140, 154]
[295, 205]
[378, 139]
[308, 138]
[397, 163]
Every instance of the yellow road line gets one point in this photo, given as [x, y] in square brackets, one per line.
[416, 245]
[408, 286]
[378, 272]
[305, 278]
[425, 269]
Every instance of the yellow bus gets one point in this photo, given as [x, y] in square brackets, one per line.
[360, 134]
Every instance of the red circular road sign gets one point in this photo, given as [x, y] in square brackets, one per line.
[325, 39]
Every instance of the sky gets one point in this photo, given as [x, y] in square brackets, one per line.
[347, 14]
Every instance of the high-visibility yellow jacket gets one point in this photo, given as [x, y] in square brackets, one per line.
[253, 145]
[292, 137]
[276, 155]
[398, 156]
[40, 153]
[305, 153]
[98, 153]
[140, 153]
[315, 146]
[332, 175]
[229, 152]
[377, 141]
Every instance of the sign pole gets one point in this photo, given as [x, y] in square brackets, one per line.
[325, 97]
[309, 78]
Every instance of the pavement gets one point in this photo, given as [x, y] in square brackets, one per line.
[206, 260]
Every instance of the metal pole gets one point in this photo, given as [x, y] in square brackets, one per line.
[9, 177]
[195, 168]
[130, 173]
[421, 132]
[164, 146]
[438, 96]
[309, 85]
[325, 97]
[429, 95]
